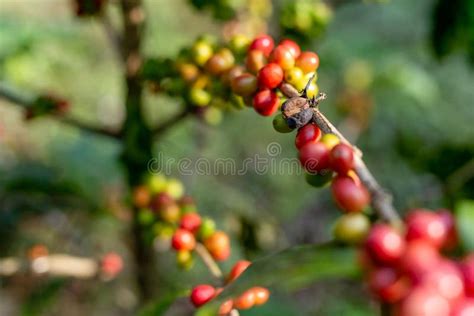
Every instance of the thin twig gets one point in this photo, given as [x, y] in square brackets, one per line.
[209, 261]
[163, 127]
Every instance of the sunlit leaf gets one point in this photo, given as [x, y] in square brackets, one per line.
[465, 223]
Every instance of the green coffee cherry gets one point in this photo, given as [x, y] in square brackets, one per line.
[319, 180]
[156, 183]
[174, 188]
[208, 227]
[184, 259]
[352, 228]
[280, 125]
[145, 216]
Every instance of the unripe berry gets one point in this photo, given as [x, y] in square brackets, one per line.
[349, 195]
[174, 188]
[156, 183]
[308, 133]
[341, 158]
[199, 97]
[160, 201]
[314, 157]
[189, 72]
[261, 295]
[245, 301]
[201, 52]
[280, 124]
[170, 213]
[232, 73]
[312, 91]
[418, 258]
[238, 269]
[270, 76]
[191, 222]
[283, 57]
[266, 102]
[239, 43]
[426, 225]
[352, 228]
[292, 46]
[218, 244]
[294, 76]
[208, 227]
[319, 179]
[220, 62]
[330, 140]
[384, 244]
[183, 240]
[308, 62]
[184, 259]
[187, 205]
[202, 294]
[255, 61]
[388, 285]
[244, 85]
[141, 196]
[263, 43]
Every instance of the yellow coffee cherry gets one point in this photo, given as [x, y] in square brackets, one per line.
[293, 76]
[330, 140]
[199, 97]
[175, 188]
[201, 52]
[239, 43]
[156, 183]
[352, 228]
[312, 91]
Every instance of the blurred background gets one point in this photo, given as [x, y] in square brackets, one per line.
[400, 81]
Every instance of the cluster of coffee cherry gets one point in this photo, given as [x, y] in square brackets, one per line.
[409, 271]
[254, 296]
[174, 220]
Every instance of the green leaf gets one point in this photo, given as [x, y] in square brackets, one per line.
[161, 306]
[465, 223]
[291, 269]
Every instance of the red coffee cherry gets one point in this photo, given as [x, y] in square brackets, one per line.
[183, 240]
[238, 269]
[341, 158]
[423, 301]
[387, 284]
[419, 257]
[261, 295]
[263, 43]
[270, 76]
[218, 244]
[467, 269]
[111, 265]
[446, 278]
[244, 84]
[292, 46]
[283, 56]
[306, 134]
[202, 294]
[450, 224]
[266, 102]
[314, 157]
[308, 62]
[160, 200]
[245, 301]
[349, 195]
[464, 307]
[255, 61]
[226, 308]
[384, 244]
[220, 62]
[426, 225]
[191, 222]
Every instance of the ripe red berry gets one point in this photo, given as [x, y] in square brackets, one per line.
[349, 195]
[283, 56]
[341, 158]
[237, 270]
[423, 301]
[270, 76]
[446, 278]
[244, 84]
[306, 134]
[426, 225]
[245, 301]
[314, 157]
[450, 224]
[467, 269]
[218, 244]
[160, 201]
[464, 307]
[308, 62]
[388, 285]
[266, 102]
[261, 295]
[419, 257]
[191, 222]
[202, 294]
[226, 308]
[292, 46]
[111, 264]
[255, 61]
[183, 240]
[263, 43]
[384, 244]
